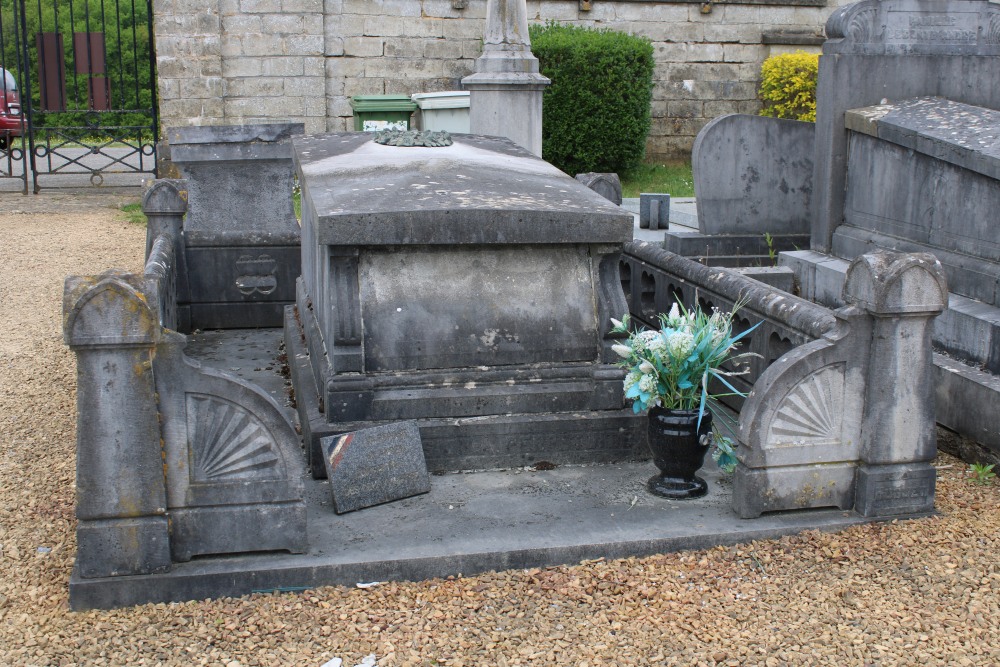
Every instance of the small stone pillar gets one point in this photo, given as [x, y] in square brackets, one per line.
[120, 491]
[165, 203]
[506, 90]
[903, 293]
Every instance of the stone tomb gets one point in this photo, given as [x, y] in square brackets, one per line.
[467, 287]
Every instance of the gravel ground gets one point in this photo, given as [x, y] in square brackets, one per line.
[924, 591]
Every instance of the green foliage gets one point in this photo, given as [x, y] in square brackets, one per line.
[788, 86]
[127, 59]
[982, 473]
[772, 254]
[596, 112]
[133, 213]
[674, 178]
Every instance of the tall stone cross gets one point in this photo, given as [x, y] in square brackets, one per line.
[506, 90]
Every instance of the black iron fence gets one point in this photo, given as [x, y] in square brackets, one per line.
[79, 90]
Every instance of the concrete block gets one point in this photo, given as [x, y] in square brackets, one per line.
[127, 546]
[375, 465]
[779, 277]
[654, 211]
[803, 265]
[958, 386]
[829, 283]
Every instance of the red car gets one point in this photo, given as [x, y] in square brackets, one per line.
[11, 122]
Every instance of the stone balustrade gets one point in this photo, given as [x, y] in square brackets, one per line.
[842, 407]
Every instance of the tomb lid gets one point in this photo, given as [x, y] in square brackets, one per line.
[961, 134]
[478, 190]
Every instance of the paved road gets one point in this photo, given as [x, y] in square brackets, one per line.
[73, 168]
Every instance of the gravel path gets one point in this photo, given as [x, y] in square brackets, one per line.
[913, 592]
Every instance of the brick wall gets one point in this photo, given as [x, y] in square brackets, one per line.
[231, 61]
[240, 61]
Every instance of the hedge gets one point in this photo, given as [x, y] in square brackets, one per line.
[595, 115]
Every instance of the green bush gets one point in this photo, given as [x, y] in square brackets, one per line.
[595, 115]
[788, 86]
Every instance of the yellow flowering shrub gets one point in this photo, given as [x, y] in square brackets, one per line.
[788, 86]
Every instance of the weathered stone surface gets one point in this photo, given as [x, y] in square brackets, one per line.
[753, 175]
[471, 281]
[859, 397]
[895, 50]
[121, 502]
[506, 89]
[233, 471]
[944, 198]
[239, 183]
[607, 185]
[240, 234]
[479, 190]
[375, 465]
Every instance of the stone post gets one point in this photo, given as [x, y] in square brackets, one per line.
[506, 90]
[903, 293]
[165, 203]
[120, 490]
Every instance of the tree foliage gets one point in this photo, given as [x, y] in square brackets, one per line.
[127, 49]
[788, 86]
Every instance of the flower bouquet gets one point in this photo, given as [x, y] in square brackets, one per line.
[670, 370]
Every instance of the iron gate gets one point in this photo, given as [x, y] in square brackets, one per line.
[78, 90]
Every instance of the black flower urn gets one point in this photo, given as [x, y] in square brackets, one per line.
[678, 445]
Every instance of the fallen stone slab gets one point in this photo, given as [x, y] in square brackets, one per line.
[375, 465]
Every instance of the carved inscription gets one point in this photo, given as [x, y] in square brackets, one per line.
[935, 28]
[256, 274]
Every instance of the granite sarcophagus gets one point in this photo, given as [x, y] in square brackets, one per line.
[468, 287]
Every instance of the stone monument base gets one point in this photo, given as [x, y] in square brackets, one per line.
[527, 414]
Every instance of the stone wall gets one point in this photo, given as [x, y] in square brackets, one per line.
[237, 61]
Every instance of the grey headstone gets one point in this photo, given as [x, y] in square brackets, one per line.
[375, 465]
[607, 185]
[654, 211]
[753, 175]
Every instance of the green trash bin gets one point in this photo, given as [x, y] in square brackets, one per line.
[382, 112]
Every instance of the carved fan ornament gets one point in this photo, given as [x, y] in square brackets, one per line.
[993, 30]
[854, 23]
[812, 412]
[228, 443]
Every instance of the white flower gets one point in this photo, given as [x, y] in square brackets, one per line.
[675, 313]
[646, 367]
[680, 344]
[647, 337]
[658, 345]
[631, 379]
[718, 335]
[647, 384]
[617, 324]
[623, 351]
